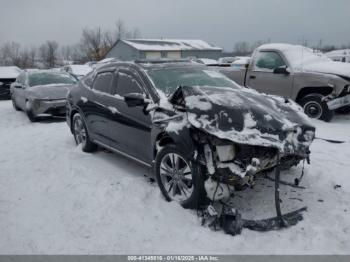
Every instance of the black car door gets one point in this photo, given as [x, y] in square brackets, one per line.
[96, 110]
[131, 126]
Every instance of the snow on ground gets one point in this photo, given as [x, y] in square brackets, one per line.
[54, 199]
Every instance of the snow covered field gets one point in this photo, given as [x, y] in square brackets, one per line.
[54, 199]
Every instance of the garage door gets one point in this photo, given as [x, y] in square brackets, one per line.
[174, 55]
[153, 55]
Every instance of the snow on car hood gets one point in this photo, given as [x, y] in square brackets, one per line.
[328, 67]
[54, 91]
[247, 117]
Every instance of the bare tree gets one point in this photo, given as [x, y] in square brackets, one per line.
[49, 53]
[136, 33]
[122, 32]
[241, 48]
[10, 54]
[91, 43]
[120, 29]
[108, 41]
[32, 55]
[66, 53]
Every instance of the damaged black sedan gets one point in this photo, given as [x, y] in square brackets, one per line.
[203, 135]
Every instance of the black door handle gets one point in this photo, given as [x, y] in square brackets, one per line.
[252, 77]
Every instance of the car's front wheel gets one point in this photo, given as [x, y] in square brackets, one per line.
[315, 107]
[178, 177]
[29, 111]
[14, 104]
[81, 134]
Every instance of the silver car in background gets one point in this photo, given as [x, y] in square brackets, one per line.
[41, 93]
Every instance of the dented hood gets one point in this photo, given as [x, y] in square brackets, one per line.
[329, 67]
[247, 117]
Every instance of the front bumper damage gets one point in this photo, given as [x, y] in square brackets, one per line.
[219, 214]
[339, 102]
[335, 101]
[238, 172]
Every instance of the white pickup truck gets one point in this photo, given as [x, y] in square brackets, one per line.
[317, 83]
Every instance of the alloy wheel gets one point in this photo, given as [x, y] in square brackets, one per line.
[176, 177]
[79, 131]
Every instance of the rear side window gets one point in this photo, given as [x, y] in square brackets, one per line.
[102, 82]
[127, 84]
[268, 61]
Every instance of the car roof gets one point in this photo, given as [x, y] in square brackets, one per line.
[151, 64]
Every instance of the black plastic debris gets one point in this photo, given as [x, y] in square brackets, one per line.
[231, 222]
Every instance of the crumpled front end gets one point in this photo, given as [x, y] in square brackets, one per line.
[237, 164]
[239, 134]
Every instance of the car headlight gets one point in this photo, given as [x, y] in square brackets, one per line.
[226, 152]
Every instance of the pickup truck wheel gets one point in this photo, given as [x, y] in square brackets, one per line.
[315, 108]
[81, 135]
[178, 177]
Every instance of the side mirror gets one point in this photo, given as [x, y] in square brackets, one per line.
[1, 83]
[135, 99]
[282, 70]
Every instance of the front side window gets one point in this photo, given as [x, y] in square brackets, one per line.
[167, 80]
[50, 78]
[268, 61]
[127, 84]
[102, 82]
[21, 79]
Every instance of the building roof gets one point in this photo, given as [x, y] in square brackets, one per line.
[9, 72]
[170, 45]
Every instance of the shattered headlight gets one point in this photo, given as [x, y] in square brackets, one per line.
[226, 152]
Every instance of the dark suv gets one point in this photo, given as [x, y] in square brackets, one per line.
[201, 133]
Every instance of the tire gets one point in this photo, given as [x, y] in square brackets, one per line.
[315, 108]
[14, 104]
[30, 113]
[81, 135]
[190, 179]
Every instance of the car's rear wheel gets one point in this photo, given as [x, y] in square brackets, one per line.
[315, 107]
[14, 104]
[81, 134]
[29, 111]
[179, 178]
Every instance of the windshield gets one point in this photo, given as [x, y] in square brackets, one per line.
[168, 80]
[49, 78]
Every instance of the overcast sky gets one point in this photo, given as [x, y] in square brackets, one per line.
[221, 22]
